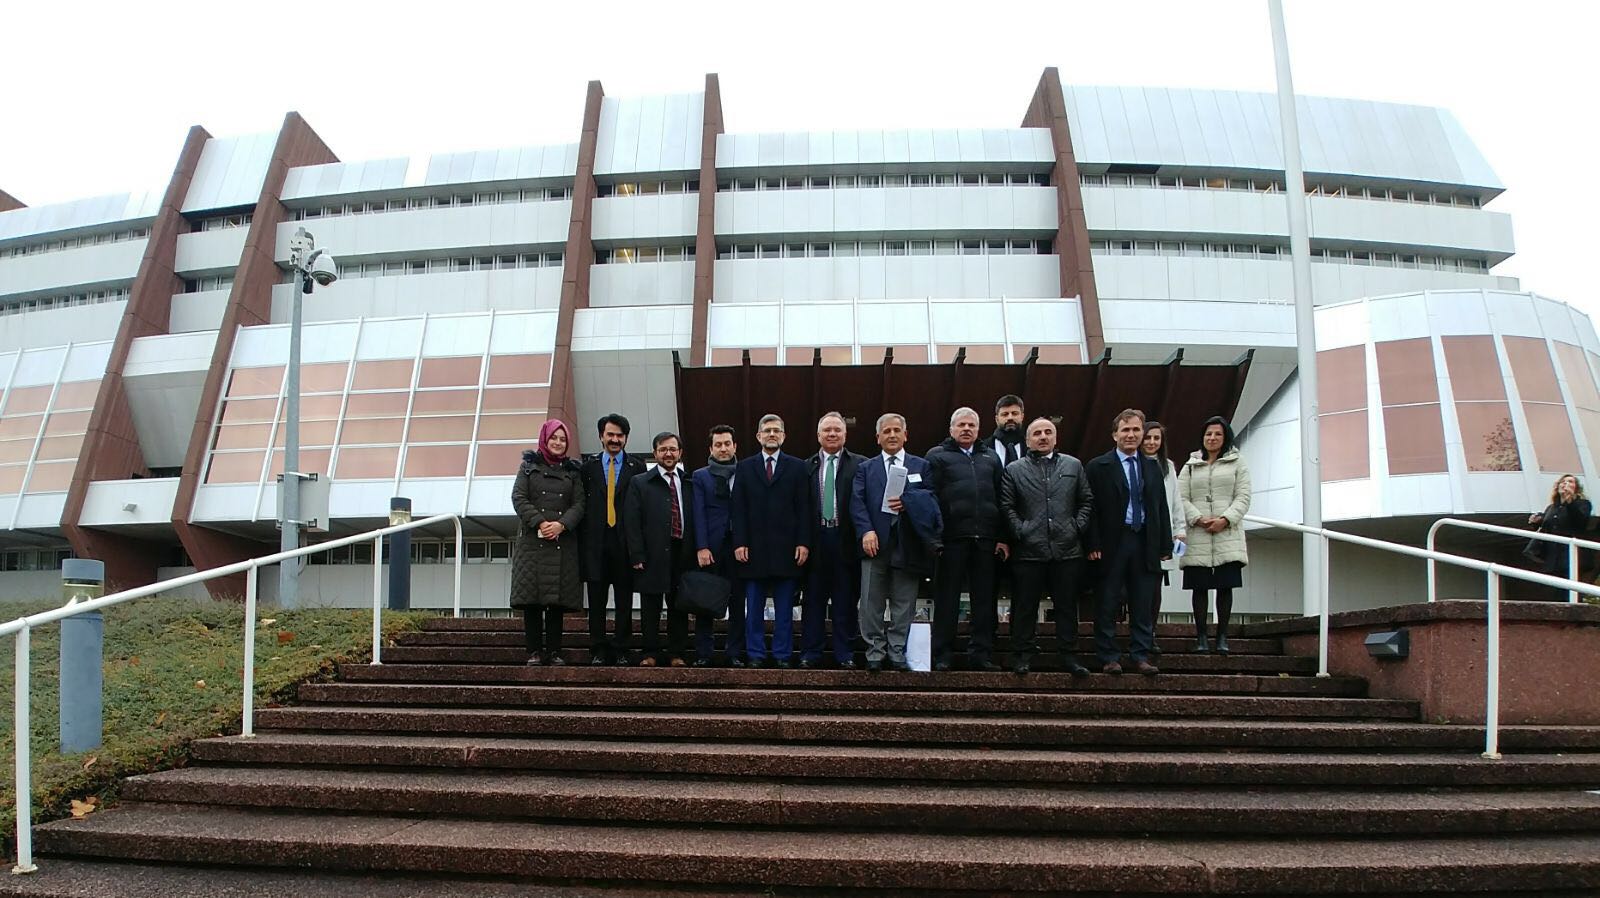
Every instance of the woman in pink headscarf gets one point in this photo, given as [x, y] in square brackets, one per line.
[548, 499]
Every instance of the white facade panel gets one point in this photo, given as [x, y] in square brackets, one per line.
[44, 327]
[1227, 129]
[1199, 278]
[853, 277]
[647, 219]
[202, 311]
[230, 173]
[1008, 148]
[130, 209]
[635, 135]
[210, 252]
[641, 284]
[429, 232]
[878, 212]
[107, 502]
[69, 270]
[406, 295]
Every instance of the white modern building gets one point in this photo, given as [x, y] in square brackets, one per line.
[685, 273]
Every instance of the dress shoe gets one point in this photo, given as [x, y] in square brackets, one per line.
[942, 666]
[874, 666]
[1021, 668]
[1222, 643]
[1078, 671]
[535, 659]
[554, 660]
[986, 665]
[701, 662]
[647, 661]
[810, 664]
[901, 666]
[1201, 646]
[847, 665]
[1155, 646]
[620, 661]
[737, 662]
[599, 660]
[678, 662]
[782, 664]
[1146, 668]
[1112, 668]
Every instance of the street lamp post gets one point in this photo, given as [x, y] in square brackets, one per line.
[312, 268]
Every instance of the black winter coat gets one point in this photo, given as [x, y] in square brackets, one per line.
[649, 530]
[1048, 505]
[771, 519]
[968, 488]
[545, 572]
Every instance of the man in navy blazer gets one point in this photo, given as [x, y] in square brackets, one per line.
[882, 584]
[771, 539]
[834, 575]
[713, 541]
[1130, 533]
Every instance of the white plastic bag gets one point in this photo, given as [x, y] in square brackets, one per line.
[919, 646]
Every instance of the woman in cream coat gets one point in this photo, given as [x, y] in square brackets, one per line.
[1215, 488]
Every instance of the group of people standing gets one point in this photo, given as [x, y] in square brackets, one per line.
[856, 536]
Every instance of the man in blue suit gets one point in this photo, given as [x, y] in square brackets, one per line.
[883, 584]
[771, 539]
[713, 542]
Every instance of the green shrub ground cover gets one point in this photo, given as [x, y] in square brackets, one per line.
[173, 674]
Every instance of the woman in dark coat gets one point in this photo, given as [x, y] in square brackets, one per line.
[548, 499]
[1567, 515]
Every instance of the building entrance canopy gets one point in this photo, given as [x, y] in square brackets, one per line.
[1083, 398]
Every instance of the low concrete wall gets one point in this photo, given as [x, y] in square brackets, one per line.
[1549, 658]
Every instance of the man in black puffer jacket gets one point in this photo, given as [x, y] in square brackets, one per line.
[966, 478]
[1047, 504]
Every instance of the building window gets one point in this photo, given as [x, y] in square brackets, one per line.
[1342, 413]
[1412, 426]
[1542, 404]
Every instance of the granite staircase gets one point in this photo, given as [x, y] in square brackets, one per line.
[453, 768]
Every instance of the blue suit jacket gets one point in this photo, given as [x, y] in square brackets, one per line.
[866, 495]
[713, 515]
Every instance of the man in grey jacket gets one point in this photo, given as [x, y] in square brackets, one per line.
[1047, 503]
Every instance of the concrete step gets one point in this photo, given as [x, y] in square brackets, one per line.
[919, 729]
[1176, 766]
[987, 863]
[578, 641]
[958, 808]
[1008, 704]
[888, 681]
[72, 878]
[1235, 663]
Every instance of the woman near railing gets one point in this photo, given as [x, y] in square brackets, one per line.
[1215, 488]
[1566, 515]
[548, 499]
[1155, 446]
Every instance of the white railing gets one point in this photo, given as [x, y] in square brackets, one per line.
[1491, 747]
[23, 626]
[1571, 542]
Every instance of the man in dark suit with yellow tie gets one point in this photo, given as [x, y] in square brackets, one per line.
[603, 550]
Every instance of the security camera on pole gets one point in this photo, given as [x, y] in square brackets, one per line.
[312, 268]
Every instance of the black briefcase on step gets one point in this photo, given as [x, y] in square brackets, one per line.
[700, 592]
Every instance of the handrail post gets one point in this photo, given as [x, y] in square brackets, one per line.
[460, 549]
[1322, 608]
[247, 726]
[24, 753]
[1572, 569]
[1491, 709]
[1433, 566]
[377, 600]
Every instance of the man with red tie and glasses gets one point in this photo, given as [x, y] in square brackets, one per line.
[660, 528]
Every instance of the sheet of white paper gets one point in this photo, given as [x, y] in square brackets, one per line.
[894, 486]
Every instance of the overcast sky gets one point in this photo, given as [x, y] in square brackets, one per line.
[97, 97]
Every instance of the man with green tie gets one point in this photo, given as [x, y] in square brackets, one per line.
[834, 571]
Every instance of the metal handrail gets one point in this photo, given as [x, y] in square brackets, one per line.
[1572, 543]
[23, 626]
[1494, 570]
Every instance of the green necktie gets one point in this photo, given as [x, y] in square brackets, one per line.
[829, 512]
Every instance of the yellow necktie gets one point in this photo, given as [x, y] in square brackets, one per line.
[611, 492]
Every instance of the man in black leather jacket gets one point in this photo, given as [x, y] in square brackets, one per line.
[1047, 504]
[966, 478]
